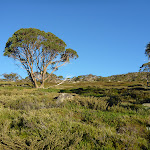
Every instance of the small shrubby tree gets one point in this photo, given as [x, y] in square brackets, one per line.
[146, 67]
[60, 77]
[37, 52]
[11, 76]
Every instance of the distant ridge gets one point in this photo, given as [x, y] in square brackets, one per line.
[129, 77]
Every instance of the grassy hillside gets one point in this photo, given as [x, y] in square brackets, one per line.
[101, 115]
[129, 77]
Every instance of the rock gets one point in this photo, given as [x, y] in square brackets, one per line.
[146, 104]
[64, 96]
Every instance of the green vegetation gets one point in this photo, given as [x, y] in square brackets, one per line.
[11, 77]
[146, 67]
[129, 77]
[37, 52]
[87, 112]
[101, 115]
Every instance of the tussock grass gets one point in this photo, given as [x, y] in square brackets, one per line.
[107, 118]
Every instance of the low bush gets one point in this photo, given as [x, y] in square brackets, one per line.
[96, 118]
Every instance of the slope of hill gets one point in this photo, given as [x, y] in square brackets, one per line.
[101, 115]
[129, 77]
[135, 76]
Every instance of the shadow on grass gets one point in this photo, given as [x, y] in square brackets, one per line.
[134, 95]
[96, 92]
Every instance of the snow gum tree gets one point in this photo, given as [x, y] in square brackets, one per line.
[146, 67]
[37, 52]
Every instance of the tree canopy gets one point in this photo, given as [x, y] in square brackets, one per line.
[146, 66]
[11, 76]
[38, 51]
[147, 50]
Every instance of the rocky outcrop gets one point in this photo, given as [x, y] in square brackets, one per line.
[63, 96]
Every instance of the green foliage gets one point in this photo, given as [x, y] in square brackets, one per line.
[135, 94]
[88, 91]
[147, 50]
[146, 67]
[49, 90]
[37, 52]
[60, 77]
[31, 118]
[129, 77]
[11, 77]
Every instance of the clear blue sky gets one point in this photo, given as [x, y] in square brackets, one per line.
[109, 35]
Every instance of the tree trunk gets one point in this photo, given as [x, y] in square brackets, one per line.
[147, 79]
[33, 81]
[43, 78]
[36, 85]
[42, 84]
